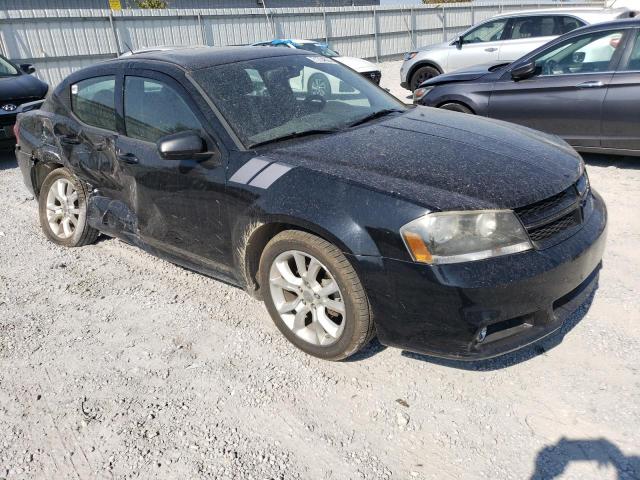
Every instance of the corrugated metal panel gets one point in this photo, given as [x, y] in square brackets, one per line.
[63, 40]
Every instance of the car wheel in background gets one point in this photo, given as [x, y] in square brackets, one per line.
[456, 107]
[319, 85]
[62, 206]
[422, 75]
[315, 296]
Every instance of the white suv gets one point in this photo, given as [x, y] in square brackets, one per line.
[504, 38]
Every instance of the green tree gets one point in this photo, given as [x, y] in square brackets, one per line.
[152, 4]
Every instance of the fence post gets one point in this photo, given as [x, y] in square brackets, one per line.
[203, 41]
[413, 28]
[444, 24]
[473, 15]
[375, 35]
[115, 34]
[326, 27]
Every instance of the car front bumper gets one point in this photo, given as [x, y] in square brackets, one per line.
[520, 298]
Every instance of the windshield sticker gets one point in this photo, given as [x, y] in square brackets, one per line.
[74, 89]
[320, 59]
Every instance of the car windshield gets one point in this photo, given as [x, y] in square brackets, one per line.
[319, 48]
[268, 99]
[6, 68]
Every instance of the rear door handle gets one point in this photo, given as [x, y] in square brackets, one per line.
[129, 158]
[491, 49]
[591, 84]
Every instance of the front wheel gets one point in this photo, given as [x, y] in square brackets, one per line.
[422, 75]
[62, 207]
[456, 107]
[314, 296]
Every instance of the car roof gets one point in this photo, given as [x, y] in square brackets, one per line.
[196, 58]
[588, 14]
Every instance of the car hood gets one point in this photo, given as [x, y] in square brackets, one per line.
[358, 64]
[464, 75]
[435, 46]
[21, 86]
[443, 160]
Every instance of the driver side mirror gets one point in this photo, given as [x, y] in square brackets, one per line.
[186, 145]
[27, 68]
[458, 42]
[524, 71]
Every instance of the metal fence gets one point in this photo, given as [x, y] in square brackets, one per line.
[58, 42]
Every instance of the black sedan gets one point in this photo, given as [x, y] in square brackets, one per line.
[350, 217]
[17, 88]
[583, 86]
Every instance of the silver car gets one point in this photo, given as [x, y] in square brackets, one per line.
[504, 38]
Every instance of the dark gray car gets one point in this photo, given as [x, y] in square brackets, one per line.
[583, 86]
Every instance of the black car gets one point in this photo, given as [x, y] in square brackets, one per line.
[17, 88]
[583, 86]
[352, 217]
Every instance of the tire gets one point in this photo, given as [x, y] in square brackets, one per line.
[63, 201]
[313, 326]
[318, 84]
[456, 107]
[422, 74]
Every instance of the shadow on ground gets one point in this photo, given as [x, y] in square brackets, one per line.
[7, 160]
[553, 460]
[612, 161]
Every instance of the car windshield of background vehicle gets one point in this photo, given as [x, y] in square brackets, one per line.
[487, 32]
[634, 59]
[269, 98]
[6, 69]
[586, 54]
[319, 48]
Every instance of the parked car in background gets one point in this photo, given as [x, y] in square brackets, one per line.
[584, 87]
[350, 217]
[320, 83]
[17, 88]
[500, 39]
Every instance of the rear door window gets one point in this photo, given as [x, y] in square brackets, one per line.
[93, 101]
[153, 109]
[532, 27]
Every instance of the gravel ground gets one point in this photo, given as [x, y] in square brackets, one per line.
[115, 364]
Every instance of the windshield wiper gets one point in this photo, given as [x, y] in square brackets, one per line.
[374, 115]
[288, 136]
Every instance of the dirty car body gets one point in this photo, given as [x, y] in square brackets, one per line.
[357, 187]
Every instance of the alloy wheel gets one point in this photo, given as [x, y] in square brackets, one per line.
[307, 297]
[63, 210]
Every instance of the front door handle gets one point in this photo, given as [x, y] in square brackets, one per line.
[129, 158]
[491, 49]
[70, 139]
[591, 84]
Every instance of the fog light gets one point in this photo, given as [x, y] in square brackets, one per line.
[482, 335]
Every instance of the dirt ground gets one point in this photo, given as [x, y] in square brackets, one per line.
[115, 364]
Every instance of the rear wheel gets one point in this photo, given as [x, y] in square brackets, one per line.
[314, 296]
[422, 75]
[62, 207]
[456, 107]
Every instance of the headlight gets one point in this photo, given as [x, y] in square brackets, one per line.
[420, 93]
[409, 55]
[452, 237]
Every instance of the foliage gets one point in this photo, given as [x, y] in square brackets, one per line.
[152, 4]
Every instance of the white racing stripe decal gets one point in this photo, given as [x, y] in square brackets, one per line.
[249, 170]
[269, 175]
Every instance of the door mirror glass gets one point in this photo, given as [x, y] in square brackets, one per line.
[27, 68]
[181, 146]
[524, 71]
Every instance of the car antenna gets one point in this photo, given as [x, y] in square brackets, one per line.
[128, 47]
